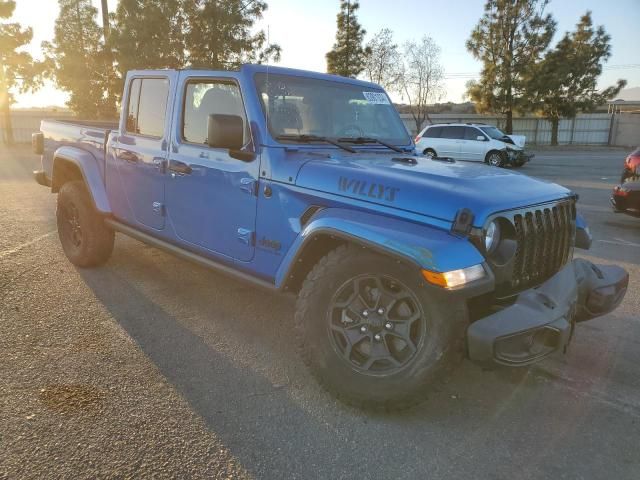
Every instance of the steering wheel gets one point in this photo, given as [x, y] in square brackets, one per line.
[348, 130]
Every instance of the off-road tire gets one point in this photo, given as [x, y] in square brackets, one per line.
[441, 350]
[95, 238]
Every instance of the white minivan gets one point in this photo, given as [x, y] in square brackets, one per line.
[472, 142]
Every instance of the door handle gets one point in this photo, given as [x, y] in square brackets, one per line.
[159, 163]
[128, 156]
[180, 167]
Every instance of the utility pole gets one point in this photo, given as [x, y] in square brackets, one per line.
[105, 21]
[5, 107]
[348, 25]
[111, 107]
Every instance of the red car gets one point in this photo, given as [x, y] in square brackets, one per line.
[626, 196]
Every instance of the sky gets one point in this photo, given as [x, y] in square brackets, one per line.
[305, 29]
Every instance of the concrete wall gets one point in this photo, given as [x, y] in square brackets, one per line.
[625, 131]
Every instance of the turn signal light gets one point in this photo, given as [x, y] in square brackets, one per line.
[454, 278]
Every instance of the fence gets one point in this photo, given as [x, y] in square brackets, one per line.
[585, 129]
[26, 122]
[625, 130]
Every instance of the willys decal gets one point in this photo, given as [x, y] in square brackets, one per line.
[366, 189]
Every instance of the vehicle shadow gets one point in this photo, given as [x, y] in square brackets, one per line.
[227, 349]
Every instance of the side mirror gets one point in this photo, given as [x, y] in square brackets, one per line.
[225, 131]
[480, 138]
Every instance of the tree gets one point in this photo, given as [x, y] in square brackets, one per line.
[347, 57]
[565, 82]
[189, 33]
[509, 38]
[17, 68]
[421, 77]
[220, 34]
[150, 34]
[382, 59]
[79, 62]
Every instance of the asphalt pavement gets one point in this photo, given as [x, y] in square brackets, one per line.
[152, 367]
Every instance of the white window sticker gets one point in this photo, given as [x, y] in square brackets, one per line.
[377, 98]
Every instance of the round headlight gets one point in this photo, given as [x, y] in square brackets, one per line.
[492, 237]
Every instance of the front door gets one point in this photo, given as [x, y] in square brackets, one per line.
[136, 184]
[471, 148]
[211, 196]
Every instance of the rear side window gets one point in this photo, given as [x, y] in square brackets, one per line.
[433, 132]
[453, 132]
[147, 107]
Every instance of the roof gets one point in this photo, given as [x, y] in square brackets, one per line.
[463, 124]
[251, 69]
[254, 68]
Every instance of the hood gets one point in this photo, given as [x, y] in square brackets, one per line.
[427, 187]
[518, 140]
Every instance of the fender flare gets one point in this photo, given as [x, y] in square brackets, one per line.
[91, 174]
[424, 246]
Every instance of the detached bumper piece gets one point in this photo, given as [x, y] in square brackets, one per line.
[542, 319]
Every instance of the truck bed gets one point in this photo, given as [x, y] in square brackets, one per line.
[88, 135]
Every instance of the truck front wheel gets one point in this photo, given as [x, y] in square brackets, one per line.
[372, 332]
[85, 239]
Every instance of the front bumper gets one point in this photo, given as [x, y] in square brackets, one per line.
[542, 319]
[518, 157]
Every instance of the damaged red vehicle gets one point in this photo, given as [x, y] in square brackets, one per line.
[626, 196]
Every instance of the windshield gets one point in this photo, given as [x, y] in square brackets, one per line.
[307, 106]
[493, 132]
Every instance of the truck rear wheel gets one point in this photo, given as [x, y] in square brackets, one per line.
[85, 239]
[372, 332]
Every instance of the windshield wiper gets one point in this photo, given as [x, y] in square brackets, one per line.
[363, 140]
[314, 138]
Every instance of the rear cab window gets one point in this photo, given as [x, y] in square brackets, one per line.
[147, 106]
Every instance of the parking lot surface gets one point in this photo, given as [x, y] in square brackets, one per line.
[153, 367]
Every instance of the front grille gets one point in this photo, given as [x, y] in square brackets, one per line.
[544, 243]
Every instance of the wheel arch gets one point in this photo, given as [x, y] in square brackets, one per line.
[420, 246]
[493, 150]
[71, 164]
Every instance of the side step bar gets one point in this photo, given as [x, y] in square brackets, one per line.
[187, 255]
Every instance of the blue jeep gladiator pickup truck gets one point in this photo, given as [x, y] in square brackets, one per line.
[309, 183]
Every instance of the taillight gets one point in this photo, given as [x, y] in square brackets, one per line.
[417, 139]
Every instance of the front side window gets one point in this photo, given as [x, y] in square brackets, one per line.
[309, 106]
[204, 98]
[493, 132]
[472, 133]
[147, 107]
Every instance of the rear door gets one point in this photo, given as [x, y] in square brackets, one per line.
[136, 182]
[449, 141]
[211, 196]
